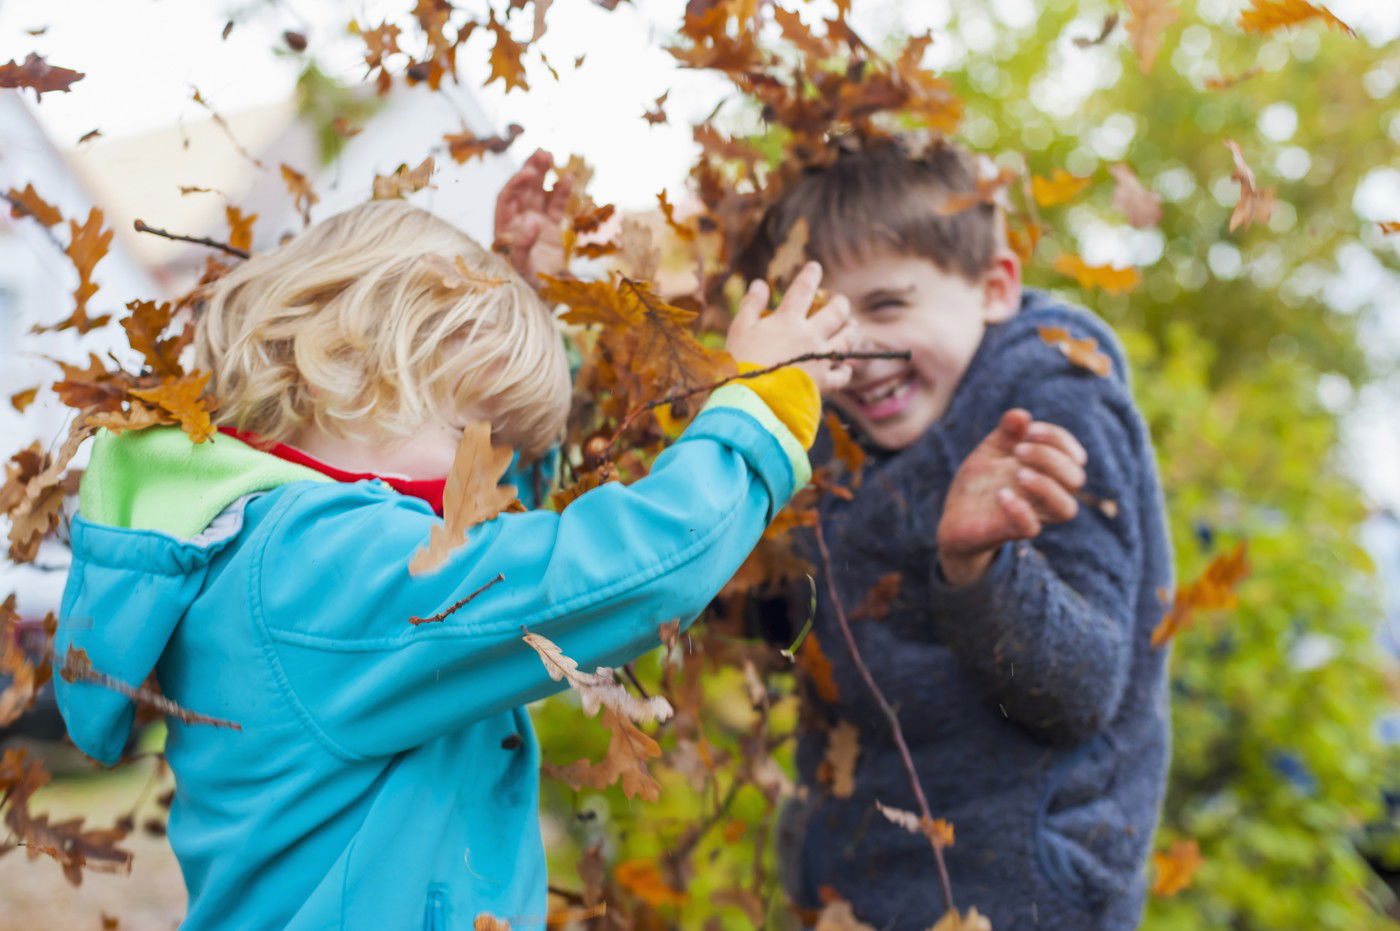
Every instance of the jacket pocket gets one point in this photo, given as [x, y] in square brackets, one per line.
[435, 912]
[1084, 844]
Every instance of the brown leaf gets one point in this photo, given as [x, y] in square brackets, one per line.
[685, 231]
[472, 496]
[38, 75]
[1060, 188]
[1175, 868]
[625, 762]
[1221, 83]
[87, 245]
[403, 181]
[1109, 23]
[817, 668]
[938, 831]
[1213, 590]
[590, 220]
[597, 689]
[656, 114]
[93, 388]
[28, 203]
[296, 41]
[143, 329]
[506, 54]
[25, 678]
[22, 399]
[839, 761]
[110, 922]
[1267, 15]
[300, 189]
[845, 449]
[455, 275]
[876, 603]
[1147, 22]
[837, 915]
[466, 145]
[642, 878]
[137, 416]
[1082, 352]
[1110, 278]
[240, 228]
[182, 397]
[638, 258]
[34, 489]
[1142, 207]
[789, 257]
[1254, 204]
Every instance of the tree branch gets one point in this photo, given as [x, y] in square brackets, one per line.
[896, 731]
[442, 615]
[142, 227]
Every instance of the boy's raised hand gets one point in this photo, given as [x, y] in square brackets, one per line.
[789, 332]
[1024, 475]
[530, 220]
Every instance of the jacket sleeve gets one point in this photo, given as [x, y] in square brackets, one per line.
[1048, 627]
[598, 579]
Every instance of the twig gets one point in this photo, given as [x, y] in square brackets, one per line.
[442, 615]
[632, 677]
[142, 227]
[77, 667]
[896, 731]
[24, 211]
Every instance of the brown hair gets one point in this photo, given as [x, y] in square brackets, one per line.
[883, 197]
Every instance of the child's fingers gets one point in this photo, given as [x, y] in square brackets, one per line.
[1011, 429]
[751, 306]
[1020, 516]
[1051, 461]
[833, 318]
[801, 292]
[1049, 498]
[558, 200]
[1055, 435]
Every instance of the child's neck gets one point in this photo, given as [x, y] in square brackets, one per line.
[427, 454]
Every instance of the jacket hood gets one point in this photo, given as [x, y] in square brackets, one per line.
[154, 509]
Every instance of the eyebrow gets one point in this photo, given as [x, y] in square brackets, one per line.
[877, 294]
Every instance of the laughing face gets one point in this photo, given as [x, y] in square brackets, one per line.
[906, 302]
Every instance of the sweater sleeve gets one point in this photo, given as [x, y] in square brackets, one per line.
[598, 579]
[1048, 627]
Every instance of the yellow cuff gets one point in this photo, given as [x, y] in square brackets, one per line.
[791, 395]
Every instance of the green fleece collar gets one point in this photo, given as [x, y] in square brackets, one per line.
[157, 479]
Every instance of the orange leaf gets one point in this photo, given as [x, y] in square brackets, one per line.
[590, 220]
[1390, 226]
[1268, 15]
[844, 448]
[668, 210]
[814, 664]
[1254, 204]
[1060, 188]
[1147, 21]
[1023, 241]
[92, 388]
[1213, 590]
[472, 495]
[506, 64]
[38, 75]
[143, 328]
[138, 416]
[1142, 207]
[466, 145]
[28, 203]
[642, 878]
[1082, 352]
[1176, 868]
[403, 181]
[485, 921]
[22, 399]
[877, 602]
[656, 114]
[986, 191]
[181, 396]
[1110, 278]
[300, 189]
[240, 228]
[86, 247]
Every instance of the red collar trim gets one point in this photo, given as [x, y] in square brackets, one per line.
[429, 490]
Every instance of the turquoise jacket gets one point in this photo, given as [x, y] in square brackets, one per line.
[385, 774]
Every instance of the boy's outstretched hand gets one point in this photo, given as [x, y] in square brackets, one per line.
[789, 332]
[530, 220]
[1024, 475]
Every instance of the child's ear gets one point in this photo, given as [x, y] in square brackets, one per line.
[1001, 287]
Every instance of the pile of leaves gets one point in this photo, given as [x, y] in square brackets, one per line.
[716, 774]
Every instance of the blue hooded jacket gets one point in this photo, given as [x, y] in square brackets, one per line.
[385, 774]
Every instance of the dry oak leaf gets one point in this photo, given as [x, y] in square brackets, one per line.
[643, 879]
[472, 495]
[1268, 15]
[637, 256]
[657, 114]
[1147, 21]
[844, 449]
[22, 399]
[1213, 590]
[1061, 187]
[33, 492]
[506, 54]
[1254, 204]
[300, 189]
[668, 210]
[240, 228]
[1142, 207]
[877, 602]
[814, 664]
[836, 915]
[403, 181]
[626, 762]
[38, 75]
[485, 921]
[839, 761]
[93, 388]
[467, 145]
[591, 219]
[144, 326]
[953, 920]
[86, 247]
[182, 397]
[1175, 868]
[1110, 278]
[597, 689]
[1082, 352]
[455, 275]
[28, 203]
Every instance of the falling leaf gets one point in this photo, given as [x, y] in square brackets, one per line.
[38, 75]
[836, 915]
[1213, 590]
[240, 228]
[789, 257]
[938, 831]
[1142, 207]
[1110, 278]
[843, 448]
[1060, 188]
[657, 114]
[590, 220]
[642, 878]
[1254, 204]
[228, 28]
[380, 41]
[93, 388]
[597, 689]
[1221, 83]
[1110, 22]
[953, 920]
[296, 41]
[987, 190]
[138, 416]
[466, 145]
[403, 181]
[87, 245]
[1082, 352]
[90, 134]
[25, 678]
[1390, 226]
[506, 54]
[182, 397]
[300, 189]
[1268, 15]
[22, 399]
[455, 275]
[472, 495]
[814, 664]
[1176, 868]
[629, 748]
[28, 203]
[1147, 22]
[877, 602]
[685, 231]
[842, 751]
[1023, 240]
[144, 326]
[485, 921]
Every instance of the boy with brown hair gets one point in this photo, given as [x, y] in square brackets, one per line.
[1017, 652]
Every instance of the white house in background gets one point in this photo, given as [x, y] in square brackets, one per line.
[140, 177]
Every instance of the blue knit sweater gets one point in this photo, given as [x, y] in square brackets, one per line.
[1033, 703]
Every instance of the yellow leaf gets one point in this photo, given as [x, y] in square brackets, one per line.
[1213, 590]
[1059, 188]
[506, 64]
[1108, 277]
[1082, 352]
[1268, 15]
[182, 397]
[953, 920]
[240, 228]
[1176, 868]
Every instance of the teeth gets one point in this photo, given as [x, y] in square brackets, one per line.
[880, 394]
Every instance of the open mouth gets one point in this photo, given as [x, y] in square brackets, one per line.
[885, 398]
